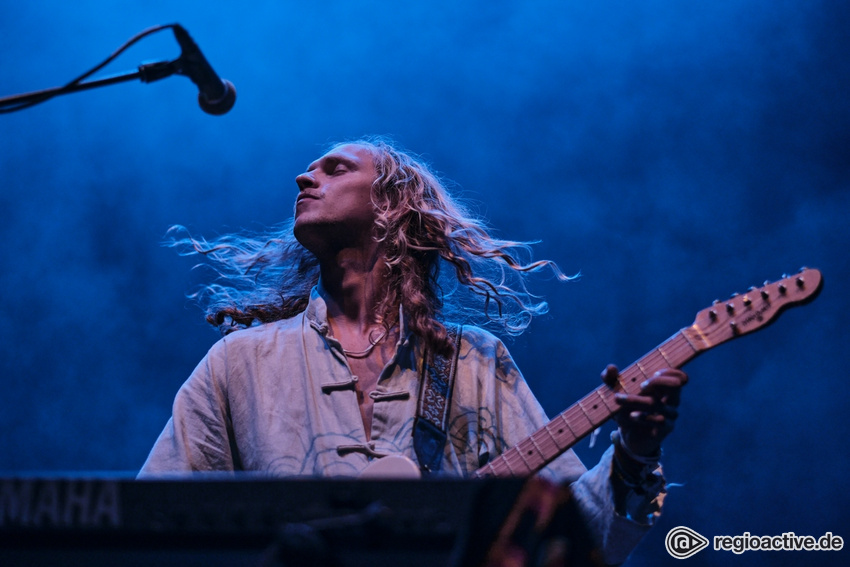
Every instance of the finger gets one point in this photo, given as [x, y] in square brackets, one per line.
[665, 413]
[665, 386]
[627, 401]
[640, 424]
[640, 411]
[671, 376]
[646, 404]
[644, 417]
[661, 392]
[610, 375]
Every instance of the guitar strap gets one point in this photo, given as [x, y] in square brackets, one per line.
[430, 430]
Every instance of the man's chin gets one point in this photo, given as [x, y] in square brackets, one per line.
[311, 233]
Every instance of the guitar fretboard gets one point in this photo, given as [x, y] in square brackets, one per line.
[579, 420]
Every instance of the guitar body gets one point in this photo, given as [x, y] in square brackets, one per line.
[396, 467]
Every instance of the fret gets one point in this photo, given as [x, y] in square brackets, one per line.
[578, 422]
[685, 349]
[563, 417]
[664, 356]
[521, 452]
[629, 379]
[689, 341]
[593, 422]
[540, 452]
[482, 472]
[493, 468]
[605, 401]
[505, 460]
[702, 336]
[488, 470]
[554, 439]
[674, 350]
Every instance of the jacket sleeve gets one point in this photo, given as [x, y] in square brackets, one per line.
[198, 436]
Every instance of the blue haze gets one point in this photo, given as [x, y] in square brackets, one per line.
[670, 151]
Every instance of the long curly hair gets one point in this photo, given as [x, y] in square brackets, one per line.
[442, 263]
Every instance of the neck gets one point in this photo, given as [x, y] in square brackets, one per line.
[352, 285]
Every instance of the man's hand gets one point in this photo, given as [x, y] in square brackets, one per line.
[646, 418]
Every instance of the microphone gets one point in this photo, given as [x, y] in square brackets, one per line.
[216, 95]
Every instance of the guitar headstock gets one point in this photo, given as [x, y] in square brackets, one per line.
[755, 309]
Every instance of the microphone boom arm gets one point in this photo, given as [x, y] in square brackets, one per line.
[147, 73]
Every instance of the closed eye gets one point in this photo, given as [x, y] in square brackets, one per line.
[336, 165]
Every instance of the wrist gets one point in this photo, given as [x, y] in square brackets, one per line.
[634, 467]
[637, 482]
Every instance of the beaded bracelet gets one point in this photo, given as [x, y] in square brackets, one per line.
[648, 460]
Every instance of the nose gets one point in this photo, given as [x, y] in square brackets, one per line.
[305, 180]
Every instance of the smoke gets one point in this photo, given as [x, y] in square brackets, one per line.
[672, 152]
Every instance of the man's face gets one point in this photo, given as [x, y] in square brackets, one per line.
[334, 204]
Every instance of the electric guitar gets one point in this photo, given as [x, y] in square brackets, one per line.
[714, 325]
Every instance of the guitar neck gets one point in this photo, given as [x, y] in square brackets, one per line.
[740, 315]
[579, 420]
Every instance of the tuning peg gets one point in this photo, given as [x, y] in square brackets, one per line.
[804, 268]
[800, 282]
[784, 276]
[782, 289]
[747, 301]
[730, 308]
[764, 294]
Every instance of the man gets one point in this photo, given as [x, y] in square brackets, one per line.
[334, 317]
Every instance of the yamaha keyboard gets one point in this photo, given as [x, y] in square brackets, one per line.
[248, 521]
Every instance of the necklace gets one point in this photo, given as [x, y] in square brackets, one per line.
[366, 352]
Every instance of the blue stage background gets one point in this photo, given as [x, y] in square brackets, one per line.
[670, 151]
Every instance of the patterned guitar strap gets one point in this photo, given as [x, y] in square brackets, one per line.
[430, 431]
